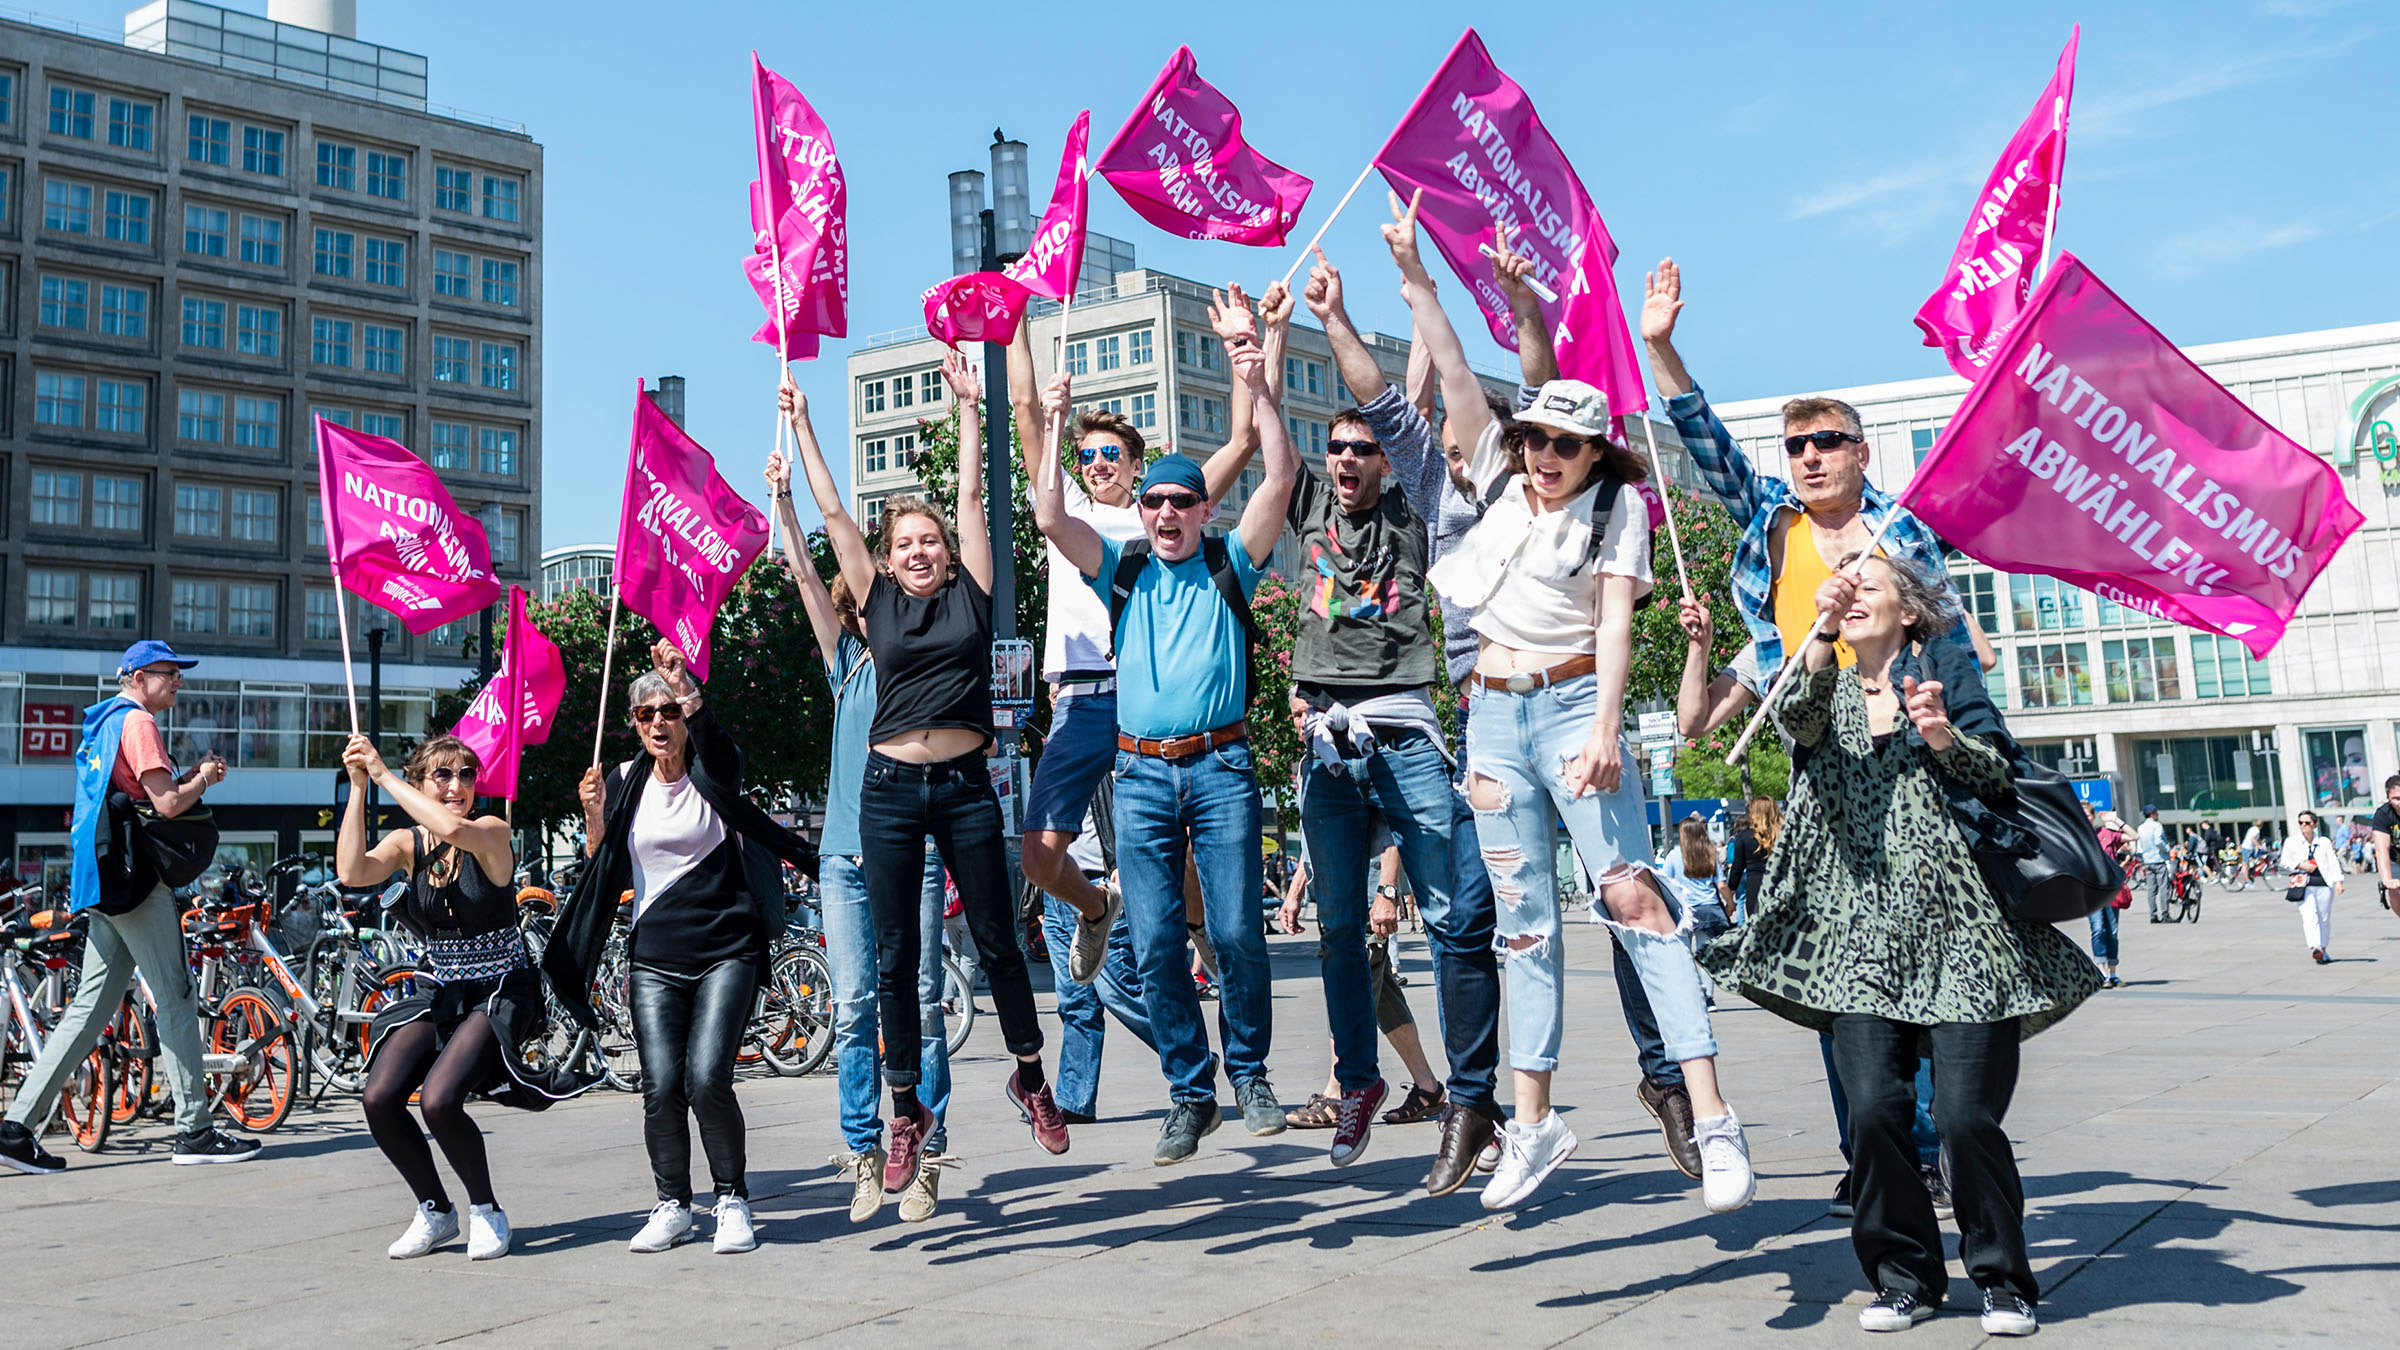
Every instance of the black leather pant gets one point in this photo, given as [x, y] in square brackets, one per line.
[688, 1028]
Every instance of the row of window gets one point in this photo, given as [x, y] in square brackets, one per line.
[1139, 409]
[120, 407]
[900, 391]
[881, 453]
[2133, 670]
[124, 216]
[100, 601]
[1117, 351]
[131, 124]
[2038, 603]
[1198, 412]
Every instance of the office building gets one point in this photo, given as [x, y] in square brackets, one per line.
[211, 232]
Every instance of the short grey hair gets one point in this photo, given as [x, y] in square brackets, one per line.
[1931, 599]
[1809, 409]
[650, 686]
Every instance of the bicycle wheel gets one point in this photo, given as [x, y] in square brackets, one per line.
[620, 1055]
[799, 1026]
[391, 986]
[257, 1089]
[2191, 906]
[137, 1050]
[958, 1003]
[83, 1103]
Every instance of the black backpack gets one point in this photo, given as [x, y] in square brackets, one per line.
[1220, 570]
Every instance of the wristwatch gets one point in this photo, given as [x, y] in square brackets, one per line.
[1387, 893]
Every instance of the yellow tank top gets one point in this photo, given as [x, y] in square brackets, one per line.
[1795, 599]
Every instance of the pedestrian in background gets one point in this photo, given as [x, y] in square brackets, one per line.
[2316, 877]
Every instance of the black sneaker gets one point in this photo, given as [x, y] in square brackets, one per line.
[212, 1145]
[2004, 1314]
[1893, 1310]
[1187, 1123]
[1938, 1186]
[20, 1150]
[1841, 1208]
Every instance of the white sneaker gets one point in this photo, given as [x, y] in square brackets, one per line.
[1528, 1155]
[2005, 1314]
[1489, 1158]
[428, 1229]
[734, 1230]
[487, 1233]
[1087, 947]
[865, 1171]
[670, 1225]
[1726, 1182]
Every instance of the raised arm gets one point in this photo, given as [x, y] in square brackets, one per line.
[354, 862]
[1739, 488]
[1262, 515]
[1662, 302]
[487, 837]
[1230, 315]
[849, 546]
[1702, 704]
[1025, 390]
[1075, 539]
[814, 598]
[974, 527]
[1323, 293]
[1535, 353]
[1462, 393]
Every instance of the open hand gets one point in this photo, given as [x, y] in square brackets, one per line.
[1662, 301]
[965, 381]
[1230, 315]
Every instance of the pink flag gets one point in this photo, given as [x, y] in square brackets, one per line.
[1473, 142]
[533, 678]
[393, 533]
[1991, 271]
[978, 307]
[684, 537]
[1180, 163]
[799, 213]
[1055, 257]
[2097, 453]
[796, 344]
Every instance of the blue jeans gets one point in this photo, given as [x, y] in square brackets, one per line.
[1075, 756]
[1657, 1069]
[1208, 804]
[1927, 1138]
[1522, 743]
[1403, 785]
[1082, 1031]
[850, 952]
[2104, 935]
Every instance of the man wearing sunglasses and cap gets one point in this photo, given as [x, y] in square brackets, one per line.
[1178, 604]
[122, 751]
[1779, 565]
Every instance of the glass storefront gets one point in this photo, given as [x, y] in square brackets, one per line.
[2337, 769]
[2241, 773]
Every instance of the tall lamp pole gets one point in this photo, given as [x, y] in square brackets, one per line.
[985, 239]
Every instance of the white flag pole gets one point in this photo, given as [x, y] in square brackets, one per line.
[1658, 471]
[608, 660]
[1302, 260]
[2058, 116]
[341, 612]
[341, 620]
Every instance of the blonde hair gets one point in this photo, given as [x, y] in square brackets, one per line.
[1766, 822]
[896, 509]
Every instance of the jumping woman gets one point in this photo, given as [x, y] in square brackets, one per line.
[928, 617]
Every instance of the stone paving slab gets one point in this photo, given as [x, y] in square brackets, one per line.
[2207, 1157]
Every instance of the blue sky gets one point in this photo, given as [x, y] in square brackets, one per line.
[2232, 168]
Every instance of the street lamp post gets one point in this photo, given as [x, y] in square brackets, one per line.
[987, 238]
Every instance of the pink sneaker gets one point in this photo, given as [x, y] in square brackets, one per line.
[1358, 1119]
[909, 1134]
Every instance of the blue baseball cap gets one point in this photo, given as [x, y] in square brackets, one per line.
[149, 652]
[1175, 471]
[2149, 810]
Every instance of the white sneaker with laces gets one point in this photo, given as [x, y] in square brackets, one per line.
[1528, 1155]
[734, 1230]
[428, 1228]
[670, 1225]
[1726, 1182]
[2004, 1314]
[487, 1233]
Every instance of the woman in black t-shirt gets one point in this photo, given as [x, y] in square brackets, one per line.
[928, 616]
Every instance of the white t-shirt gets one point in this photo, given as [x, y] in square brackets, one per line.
[1078, 638]
[2297, 852]
[1523, 572]
[673, 829]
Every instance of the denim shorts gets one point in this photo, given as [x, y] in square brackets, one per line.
[1076, 755]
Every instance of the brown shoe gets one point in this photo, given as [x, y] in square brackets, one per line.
[1465, 1132]
[1417, 1105]
[1672, 1109]
[1321, 1113]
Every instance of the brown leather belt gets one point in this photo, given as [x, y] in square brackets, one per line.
[1183, 747]
[1525, 682]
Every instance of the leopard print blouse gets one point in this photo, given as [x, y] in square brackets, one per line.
[1872, 902]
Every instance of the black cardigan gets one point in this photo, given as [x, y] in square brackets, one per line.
[583, 925]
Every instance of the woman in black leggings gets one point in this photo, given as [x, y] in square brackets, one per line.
[458, 1038]
[928, 617]
[673, 826]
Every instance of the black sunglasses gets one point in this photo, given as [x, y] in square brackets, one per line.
[1823, 440]
[1565, 447]
[1084, 454]
[1181, 501]
[1362, 449]
[665, 712]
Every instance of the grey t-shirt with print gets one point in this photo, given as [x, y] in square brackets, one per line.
[1362, 591]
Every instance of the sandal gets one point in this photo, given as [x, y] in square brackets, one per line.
[1417, 1105]
[1321, 1113]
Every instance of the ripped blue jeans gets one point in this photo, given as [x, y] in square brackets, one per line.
[1523, 743]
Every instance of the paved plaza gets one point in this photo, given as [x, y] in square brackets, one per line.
[2208, 1154]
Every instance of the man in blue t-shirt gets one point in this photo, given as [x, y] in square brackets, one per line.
[1183, 778]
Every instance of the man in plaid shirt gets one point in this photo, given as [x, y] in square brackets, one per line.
[1828, 491]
